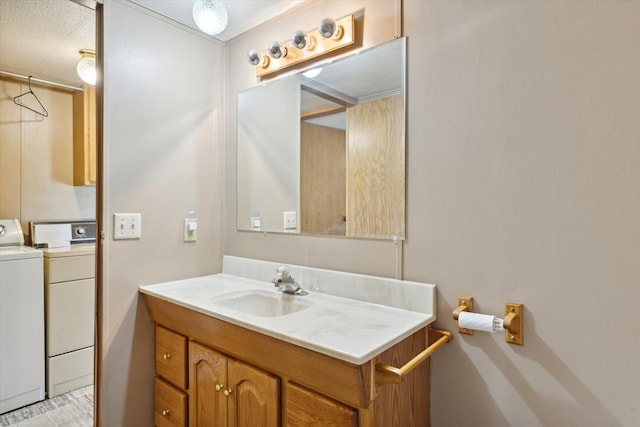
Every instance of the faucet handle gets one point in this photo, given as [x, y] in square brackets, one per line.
[283, 273]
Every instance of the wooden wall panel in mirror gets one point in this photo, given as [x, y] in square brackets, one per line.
[375, 168]
[327, 148]
[322, 180]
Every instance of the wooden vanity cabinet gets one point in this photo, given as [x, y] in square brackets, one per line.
[238, 377]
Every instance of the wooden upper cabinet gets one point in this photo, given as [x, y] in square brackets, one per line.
[84, 136]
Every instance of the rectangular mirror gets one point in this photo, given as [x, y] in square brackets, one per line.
[323, 151]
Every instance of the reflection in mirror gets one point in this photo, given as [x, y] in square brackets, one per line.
[323, 152]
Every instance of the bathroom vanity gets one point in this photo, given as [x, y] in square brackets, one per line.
[232, 351]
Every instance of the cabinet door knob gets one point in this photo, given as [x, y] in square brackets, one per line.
[228, 392]
[166, 356]
[219, 387]
[165, 412]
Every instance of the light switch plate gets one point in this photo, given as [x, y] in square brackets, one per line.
[127, 226]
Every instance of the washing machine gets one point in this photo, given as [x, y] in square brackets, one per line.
[22, 346]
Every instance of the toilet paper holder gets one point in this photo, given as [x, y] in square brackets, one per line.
[465, 303]
[512, 321]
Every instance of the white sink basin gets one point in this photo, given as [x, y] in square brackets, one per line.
[263, 303]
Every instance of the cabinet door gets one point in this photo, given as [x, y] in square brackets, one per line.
[254, 398]
[305, 408]
[207, 382]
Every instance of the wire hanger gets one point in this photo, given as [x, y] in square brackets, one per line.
[44, 111]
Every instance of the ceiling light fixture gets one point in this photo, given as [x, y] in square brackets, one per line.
[87, 66]
[210, 16]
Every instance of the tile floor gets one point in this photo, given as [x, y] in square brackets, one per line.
[73, 409]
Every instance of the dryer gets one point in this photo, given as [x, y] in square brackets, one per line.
[22, 355]
[69, 283]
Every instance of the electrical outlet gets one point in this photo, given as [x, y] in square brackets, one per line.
[127, 226]
[190, 229]
[290, 220]
[256, 223]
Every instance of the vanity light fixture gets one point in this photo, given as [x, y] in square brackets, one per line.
[329, 36]
[277, 50]
[86, 67]
[210, 16]
[301, 40]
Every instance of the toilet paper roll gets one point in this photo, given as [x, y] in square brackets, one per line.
[479, 322]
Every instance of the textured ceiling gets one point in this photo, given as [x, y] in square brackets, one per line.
[42, 37]
[243, 14]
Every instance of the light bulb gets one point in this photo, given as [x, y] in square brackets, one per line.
[87, 66]
[329, 29]
[277, 50]
[301, 40]
[256, 58]
[210, 16]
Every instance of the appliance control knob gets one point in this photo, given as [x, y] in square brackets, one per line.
[81, 231]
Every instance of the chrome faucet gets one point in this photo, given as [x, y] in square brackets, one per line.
[285, 283]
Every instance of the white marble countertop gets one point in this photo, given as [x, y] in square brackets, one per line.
[344, 328]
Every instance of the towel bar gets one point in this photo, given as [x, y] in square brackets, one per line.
[386, 374]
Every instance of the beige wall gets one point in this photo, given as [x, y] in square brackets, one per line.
[36, 158]
[522, 184]
[163, 120]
